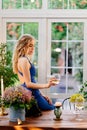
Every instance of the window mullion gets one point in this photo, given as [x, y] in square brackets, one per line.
[85, 53]
[44, 4]
[1, 20]
[0, 5]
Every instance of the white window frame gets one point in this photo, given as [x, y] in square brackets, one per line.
[84, 21]
[41, 43]
[44, 17]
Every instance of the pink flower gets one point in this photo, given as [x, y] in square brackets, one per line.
[17, 96]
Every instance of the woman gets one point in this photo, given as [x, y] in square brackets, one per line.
[25, 70]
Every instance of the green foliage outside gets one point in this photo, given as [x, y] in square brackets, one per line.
[83, 90]
[27, 4]
[6, 71]
[67, 4]
[37, 4]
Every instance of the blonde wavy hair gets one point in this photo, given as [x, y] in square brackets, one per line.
[19, 50]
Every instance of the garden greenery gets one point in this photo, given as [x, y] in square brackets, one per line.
[6, 66]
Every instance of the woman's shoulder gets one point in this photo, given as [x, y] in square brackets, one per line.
[22, 60]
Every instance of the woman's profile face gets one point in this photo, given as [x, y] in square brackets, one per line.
[30, 48]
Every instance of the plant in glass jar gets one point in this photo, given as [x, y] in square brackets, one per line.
[75, 96]
[78, 100]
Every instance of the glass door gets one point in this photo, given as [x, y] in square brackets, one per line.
[66, 45]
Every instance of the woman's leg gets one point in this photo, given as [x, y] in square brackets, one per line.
[43, 103]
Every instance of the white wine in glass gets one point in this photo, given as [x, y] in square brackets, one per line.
[57, 76]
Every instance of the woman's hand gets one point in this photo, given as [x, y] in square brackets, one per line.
[52, 81]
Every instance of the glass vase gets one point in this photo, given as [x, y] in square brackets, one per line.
[57, 112]
[15, 114]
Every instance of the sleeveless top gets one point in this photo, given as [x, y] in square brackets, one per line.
[35, 92]
[32, 72]
[41, 101]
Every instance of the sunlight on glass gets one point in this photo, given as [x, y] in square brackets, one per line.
[32, 1]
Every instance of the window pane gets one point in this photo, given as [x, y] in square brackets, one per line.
[32, 4]
[56, 4]
[56, 48]
[15, 30]
[70, 87]
[73, 81]
[59, 31]
[24, 4]
[11, 4]
[77, 53]
[67, 4]
[76, 31]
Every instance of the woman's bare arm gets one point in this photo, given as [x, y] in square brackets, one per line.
[24, 67]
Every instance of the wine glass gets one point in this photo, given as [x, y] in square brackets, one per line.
[56, 82]
[54, 87]
[57, 76]
[79, 106]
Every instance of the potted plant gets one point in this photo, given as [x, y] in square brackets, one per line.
[6, 70]
[17, 98]
[83, 90]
